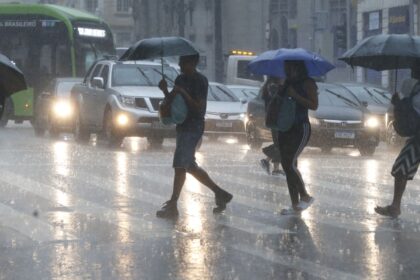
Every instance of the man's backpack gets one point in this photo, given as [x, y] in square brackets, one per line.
[406, 119]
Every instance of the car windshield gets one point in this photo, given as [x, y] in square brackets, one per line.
[64, 88]
[141, 75]
[221, 93]
[336, 96]
[371, 95]
[245, 93]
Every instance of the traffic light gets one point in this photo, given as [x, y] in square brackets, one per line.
[340, 36]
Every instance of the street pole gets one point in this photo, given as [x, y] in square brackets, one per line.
[411, 14]
[181, 18]
[348, 24]
[218, 44]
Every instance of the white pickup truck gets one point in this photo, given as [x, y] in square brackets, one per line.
[237, 71]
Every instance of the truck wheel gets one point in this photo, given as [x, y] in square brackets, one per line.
[367, 149]
[81, 133]
[7, 112]
[252, 138]
[155, 142]
[111, 136]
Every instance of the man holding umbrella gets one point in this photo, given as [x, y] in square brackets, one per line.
[193, 87]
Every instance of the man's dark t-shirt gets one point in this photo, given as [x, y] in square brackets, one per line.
[197, 87]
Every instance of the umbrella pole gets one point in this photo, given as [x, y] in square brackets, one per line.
[161, 62]
[396, 78]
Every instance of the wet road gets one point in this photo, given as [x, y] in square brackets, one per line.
[71, 211]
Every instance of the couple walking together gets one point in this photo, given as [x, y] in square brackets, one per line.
[193, 87]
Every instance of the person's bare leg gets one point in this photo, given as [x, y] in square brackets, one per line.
[394, 210]
[399, 188]
[204, 178]
[179, 180]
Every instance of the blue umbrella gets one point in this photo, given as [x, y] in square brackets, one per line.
[271, 63]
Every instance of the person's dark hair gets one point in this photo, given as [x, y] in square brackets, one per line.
[302, 71]
[195, 58]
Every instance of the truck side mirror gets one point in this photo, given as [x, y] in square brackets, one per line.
[98, 82]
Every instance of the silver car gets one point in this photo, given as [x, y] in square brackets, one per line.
[120, 99]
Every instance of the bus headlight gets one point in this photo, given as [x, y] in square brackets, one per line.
[63, 109]
[372, 122]
[122, 120]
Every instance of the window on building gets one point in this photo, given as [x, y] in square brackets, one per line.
[91, 5]
[123, 5]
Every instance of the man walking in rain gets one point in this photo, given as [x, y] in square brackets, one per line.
[407, 163]
[193, 87]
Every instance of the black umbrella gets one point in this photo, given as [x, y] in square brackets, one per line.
[158, 48]
[385, 52]
[11, 78]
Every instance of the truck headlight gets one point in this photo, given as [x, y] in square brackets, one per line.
[372, 122]
[122, 120]
[128, 101]
[63, 109]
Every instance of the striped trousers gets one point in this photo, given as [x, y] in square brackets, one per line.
[408, 160]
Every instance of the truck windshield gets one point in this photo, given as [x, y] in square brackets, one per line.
[219, 93]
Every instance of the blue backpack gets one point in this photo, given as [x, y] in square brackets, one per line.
[406, 119]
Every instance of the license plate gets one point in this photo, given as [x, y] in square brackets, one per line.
[224, 124]
[345, 135]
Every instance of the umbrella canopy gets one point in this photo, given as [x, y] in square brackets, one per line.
[385, 52]
[159, 47]
[272, 62]
[11, 78]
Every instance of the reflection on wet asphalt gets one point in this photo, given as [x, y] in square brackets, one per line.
[72, 211]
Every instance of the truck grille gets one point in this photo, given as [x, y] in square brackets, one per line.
[341, 125]
[155, 103]
[141, 103]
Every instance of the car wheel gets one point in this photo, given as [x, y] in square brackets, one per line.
[367, 149]
[111, 136]
[155, 142]
[252, 138]
[7, 113]
[81, 133]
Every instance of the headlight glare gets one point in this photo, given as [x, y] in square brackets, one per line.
[122, 120]
[62, 109]
[372, 122]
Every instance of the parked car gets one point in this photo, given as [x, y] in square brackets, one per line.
[225, 112]
[54, 111]
[119, 99]
[244, 92]
[340, 121]
[375, 99]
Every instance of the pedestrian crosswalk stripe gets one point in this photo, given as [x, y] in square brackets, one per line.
[296, 263]
[117, 218]
[343, 223]
[233, 221]
[32, 227]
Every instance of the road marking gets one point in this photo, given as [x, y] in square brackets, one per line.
[117, 218]
[32, 227]
[297, 263]
[231, 220]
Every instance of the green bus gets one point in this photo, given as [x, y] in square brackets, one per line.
[47, 42]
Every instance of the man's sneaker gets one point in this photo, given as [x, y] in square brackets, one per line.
[222, 199]
[265, 165]
[278, 172]
[169, 210]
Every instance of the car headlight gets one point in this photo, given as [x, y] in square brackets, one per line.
[242, 116]
[314, 121]
[122, 120]
[63, 109]
[372, 122]
[128, 101]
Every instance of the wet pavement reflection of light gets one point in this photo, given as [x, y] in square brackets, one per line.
[61, 158]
